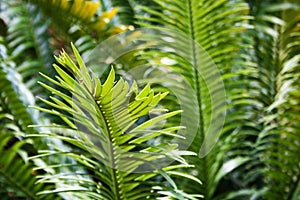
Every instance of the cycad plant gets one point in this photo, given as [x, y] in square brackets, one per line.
[101, 121]
[67, 132]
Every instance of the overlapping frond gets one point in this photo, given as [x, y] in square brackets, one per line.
[102, 121]
[217, 27]
[17, 174]
[278, 141]
[268, 130]
[125, 11]
[15, 95]
[112, 130]
[27, 42]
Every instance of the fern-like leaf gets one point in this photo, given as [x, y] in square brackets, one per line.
[101, 120]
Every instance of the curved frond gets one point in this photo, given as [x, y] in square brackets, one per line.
[217, 26]
[17, 174]
[27, 42]
[102, 121]
[280, 135]
[270, 128]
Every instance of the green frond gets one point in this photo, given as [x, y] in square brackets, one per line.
[282, 172]
[15, 95]
[103, 120]
[217, 26]
[219, 121]
[16, 172]
[15, 117]
[125, 11]
[269, 126]
[27, 42]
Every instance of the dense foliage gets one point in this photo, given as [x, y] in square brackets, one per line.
[68, 133]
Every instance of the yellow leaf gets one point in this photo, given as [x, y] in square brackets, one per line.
[120, 29]
[90, 9]
[104, 19]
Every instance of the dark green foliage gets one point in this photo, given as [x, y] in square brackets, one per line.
[83, 145]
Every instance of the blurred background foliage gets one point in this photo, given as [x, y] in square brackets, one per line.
[255, 45]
